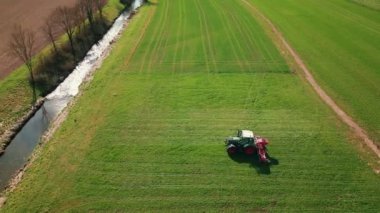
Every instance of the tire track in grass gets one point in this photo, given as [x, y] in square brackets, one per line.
[155, 52]
[222, 8]
[163, 49]
[251, 96]
[183, 39]
[252, 44]
[255, 45]
[179, 38]
[343, 116]
[208, 37]
[247, 39]
[259, 45]
[152, 43]
[267, 61]
[354, 18]
[142, 35]
[215, 77]
[161, 31]
[254, 89]
[202, 37]
[234, 42]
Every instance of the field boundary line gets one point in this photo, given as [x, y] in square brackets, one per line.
[155, 53]
[162, 48]
[347, 14]
[208, 37]
[150, 45]
[343, 116]
[229, 36]
[138, 42]
[183, 37]
[178, 35]
[204, 47]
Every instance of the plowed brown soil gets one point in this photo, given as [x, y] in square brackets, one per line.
[28, 13]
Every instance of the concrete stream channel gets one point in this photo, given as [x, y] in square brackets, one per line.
[18, 152]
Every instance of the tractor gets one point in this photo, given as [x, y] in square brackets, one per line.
[249, 144]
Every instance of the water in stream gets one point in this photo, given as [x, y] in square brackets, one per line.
[22, 146]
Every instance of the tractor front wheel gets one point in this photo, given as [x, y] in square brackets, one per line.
[231, 149]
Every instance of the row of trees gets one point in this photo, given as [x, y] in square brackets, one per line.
[84, 24]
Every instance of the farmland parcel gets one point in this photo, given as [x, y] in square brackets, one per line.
[340, 43]
[147, 134]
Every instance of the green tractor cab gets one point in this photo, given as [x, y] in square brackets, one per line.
[244, 141]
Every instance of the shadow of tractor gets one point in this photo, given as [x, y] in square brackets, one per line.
[253, 161]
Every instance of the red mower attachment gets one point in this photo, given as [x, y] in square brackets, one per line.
[260, 144]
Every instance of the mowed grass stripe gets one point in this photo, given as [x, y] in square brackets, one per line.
[180, 27]
[157, 50]
[230, 35]
[159, 143]
[151, 45]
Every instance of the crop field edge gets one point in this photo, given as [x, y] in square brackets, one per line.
[298, 65]
[360, 115]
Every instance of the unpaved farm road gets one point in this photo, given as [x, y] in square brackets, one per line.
[357, 130]
[28, 13]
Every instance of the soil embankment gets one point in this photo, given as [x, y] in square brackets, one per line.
[30, 14]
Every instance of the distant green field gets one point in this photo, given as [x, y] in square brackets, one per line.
[147, 134]
[340, 42]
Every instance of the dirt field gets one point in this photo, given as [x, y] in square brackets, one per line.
[30, 14]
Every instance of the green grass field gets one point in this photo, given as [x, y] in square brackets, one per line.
[372, 4]
[339, 41]
[147, 134]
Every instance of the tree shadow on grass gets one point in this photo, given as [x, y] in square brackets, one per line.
[253, 161]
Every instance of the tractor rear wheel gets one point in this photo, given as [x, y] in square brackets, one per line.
[249, 150]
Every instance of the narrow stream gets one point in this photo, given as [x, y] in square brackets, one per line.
[22, 146]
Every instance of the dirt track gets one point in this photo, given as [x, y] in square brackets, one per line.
[356, 129]
[28, 13]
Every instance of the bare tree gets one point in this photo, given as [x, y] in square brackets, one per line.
[22, 46]
[67, 23]
[50, 29]
[80, 16]
[89, 6]
[99, 4]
